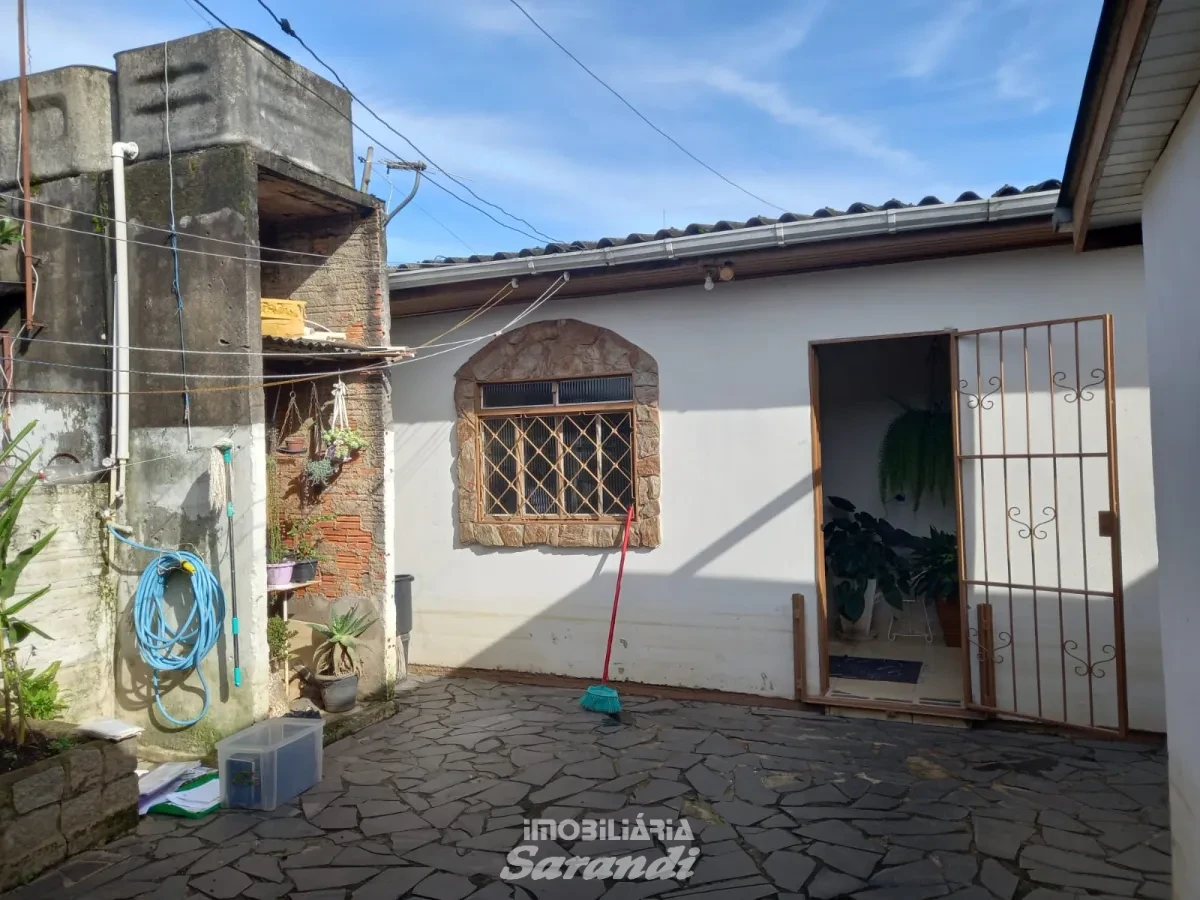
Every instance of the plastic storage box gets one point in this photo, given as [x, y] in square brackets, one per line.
[270, 762]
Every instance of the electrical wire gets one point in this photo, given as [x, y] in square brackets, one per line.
[197, 237]
[688, 153]
[507, 288]
[287, 29]
[175, 286]
[358, 127]
[451, 347]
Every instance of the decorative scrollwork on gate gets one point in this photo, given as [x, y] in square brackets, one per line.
[1086, 669]
[1031, 530]
[982, 653]
[980, 401]
[1079, 393]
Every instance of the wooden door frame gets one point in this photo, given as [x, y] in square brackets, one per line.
[818, 493]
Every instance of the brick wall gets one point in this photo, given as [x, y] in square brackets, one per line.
[344, 294]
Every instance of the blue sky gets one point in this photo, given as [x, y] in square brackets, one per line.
[806, 103]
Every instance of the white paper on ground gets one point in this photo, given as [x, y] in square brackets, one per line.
[157, 784]
[110, 729]
[198, 799]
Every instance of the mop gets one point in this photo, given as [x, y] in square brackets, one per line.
[220, 491]
[600, 697]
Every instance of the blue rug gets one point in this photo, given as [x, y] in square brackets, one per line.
[902, 670]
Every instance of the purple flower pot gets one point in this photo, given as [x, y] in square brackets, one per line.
[280, 573]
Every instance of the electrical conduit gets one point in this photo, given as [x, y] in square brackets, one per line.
[178, 649]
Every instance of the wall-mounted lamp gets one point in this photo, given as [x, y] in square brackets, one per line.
[725, 273]
[708, 281]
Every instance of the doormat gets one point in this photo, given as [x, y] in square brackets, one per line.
[905, 671]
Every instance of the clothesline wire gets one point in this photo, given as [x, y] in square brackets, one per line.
[197, 237]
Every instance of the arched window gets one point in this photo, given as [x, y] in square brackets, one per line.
[558, 435]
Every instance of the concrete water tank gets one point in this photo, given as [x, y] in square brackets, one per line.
[71, 113]
[225, 90]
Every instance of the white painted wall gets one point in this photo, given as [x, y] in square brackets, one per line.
[711, 607]
[1172, 199]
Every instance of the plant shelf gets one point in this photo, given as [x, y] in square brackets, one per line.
[287, 588]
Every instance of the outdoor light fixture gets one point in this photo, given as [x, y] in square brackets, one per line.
[725, 273]
[708, 282]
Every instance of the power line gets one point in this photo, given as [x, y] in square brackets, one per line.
[692, 156]
[286, 27]
[197, 237]
[537, 237]
[446, 228]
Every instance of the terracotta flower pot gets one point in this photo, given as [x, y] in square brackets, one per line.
[294, 446]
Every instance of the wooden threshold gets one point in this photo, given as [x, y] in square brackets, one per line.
[892, 707]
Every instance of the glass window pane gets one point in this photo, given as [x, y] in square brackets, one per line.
[611, 389]
[518, 393]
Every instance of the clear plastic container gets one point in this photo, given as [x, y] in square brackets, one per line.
[270, 762]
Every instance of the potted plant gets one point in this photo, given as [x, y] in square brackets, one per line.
[306, 537]
[318, 472]
[343, 444]
[296, 445]
[861, 553]
[338, 659]
[280, 562]
[935, 577]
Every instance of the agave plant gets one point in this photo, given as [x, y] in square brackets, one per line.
[916, 456]
[13, 628]
[339, 654]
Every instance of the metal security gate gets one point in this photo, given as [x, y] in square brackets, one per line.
[1039, 524]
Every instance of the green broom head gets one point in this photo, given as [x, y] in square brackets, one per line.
[602, 699]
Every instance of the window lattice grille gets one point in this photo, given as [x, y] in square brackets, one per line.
[555, 467]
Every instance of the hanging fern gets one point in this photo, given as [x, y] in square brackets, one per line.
[916, 456]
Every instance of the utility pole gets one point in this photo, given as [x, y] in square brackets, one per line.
[25, 168]
[366, 179]
[416, 168]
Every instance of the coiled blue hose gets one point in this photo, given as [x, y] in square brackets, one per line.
[196, 636]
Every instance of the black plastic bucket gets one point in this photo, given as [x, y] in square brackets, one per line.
[403, 597]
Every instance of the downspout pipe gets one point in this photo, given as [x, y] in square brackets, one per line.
[121, 151]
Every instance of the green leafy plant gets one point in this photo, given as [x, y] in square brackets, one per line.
[340, 653]
[10, 232]
[935, 566]
[916, 456]
[344, 442]
[860, 547]
[13, 628]
[307, 538]
[319, 472]
[279, 636]
[277, 550]
[39, 693]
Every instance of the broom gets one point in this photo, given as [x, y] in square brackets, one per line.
[600, 697]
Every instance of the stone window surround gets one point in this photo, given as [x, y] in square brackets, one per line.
[546, 351]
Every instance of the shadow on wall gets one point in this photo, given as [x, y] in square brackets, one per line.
[202, 531]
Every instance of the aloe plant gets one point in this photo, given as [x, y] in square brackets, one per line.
[339, 654]
[13, 628]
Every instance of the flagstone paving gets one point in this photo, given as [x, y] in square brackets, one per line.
[783, 804]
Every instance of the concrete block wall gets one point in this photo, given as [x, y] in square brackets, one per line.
[167, 502]
[79, 611]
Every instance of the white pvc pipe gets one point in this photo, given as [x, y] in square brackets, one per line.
[121, 151]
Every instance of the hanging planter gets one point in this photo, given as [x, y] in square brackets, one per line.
[319, 472]
[342, 442]
[294, 446]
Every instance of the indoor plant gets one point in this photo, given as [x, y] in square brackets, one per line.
[338, 659]
[916, 456]
[935, 577]
[306, 537]
[280, 562]
[861, 552]
[343, 443]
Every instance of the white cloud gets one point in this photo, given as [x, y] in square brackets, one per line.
[930, 49]
[1017, 80]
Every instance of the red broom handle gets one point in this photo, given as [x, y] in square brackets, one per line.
[612, 625]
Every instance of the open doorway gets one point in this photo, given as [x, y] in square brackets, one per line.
[888, 512]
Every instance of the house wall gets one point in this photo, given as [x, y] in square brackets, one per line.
[711, 606]
[79, 610]
[1172, 197]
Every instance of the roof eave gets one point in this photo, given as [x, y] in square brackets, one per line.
[781, 234]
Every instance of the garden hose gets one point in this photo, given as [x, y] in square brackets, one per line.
[196, 636]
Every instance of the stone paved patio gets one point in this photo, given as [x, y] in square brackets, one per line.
[784, 804]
